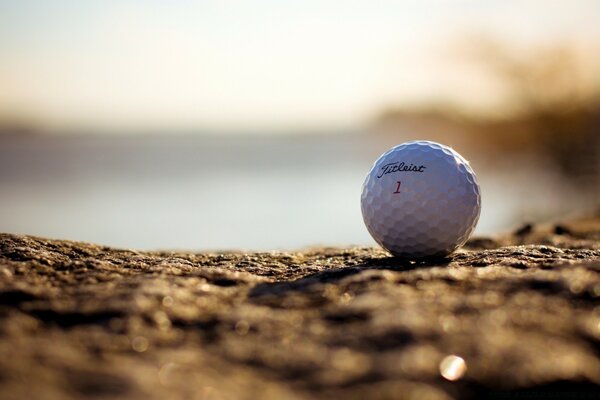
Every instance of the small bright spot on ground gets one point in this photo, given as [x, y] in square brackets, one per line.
[453, 368]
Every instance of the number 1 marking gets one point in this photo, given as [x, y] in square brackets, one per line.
[398, 188]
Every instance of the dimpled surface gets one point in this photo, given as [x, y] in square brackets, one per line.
[421, 199]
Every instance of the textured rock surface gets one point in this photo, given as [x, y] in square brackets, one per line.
[522, 311]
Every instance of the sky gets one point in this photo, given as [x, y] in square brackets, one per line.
[262, 65]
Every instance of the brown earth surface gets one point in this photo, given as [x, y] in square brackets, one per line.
[517, 315]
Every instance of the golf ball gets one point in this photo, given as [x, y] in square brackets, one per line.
[421, 199]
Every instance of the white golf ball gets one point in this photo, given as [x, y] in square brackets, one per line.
[421, 199]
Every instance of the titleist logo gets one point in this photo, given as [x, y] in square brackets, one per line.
[400, 167]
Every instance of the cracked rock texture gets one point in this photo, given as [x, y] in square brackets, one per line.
[518, 314]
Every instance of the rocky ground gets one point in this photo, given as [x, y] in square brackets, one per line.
[517, 315]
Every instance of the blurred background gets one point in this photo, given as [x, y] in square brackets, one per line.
[251, 124]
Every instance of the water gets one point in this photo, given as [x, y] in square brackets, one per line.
[216, 192]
